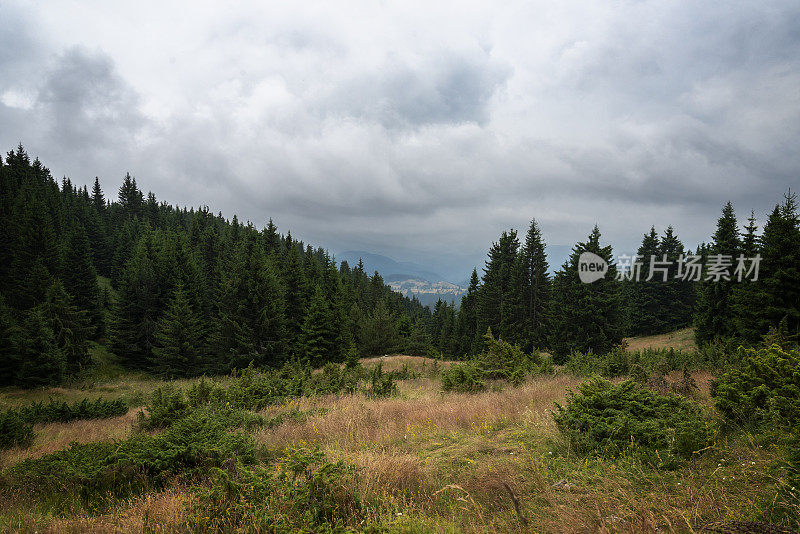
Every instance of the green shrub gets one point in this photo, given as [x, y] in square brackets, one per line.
[380, 384]
[464, 377]
[612, 419]
[200, 440]
[765, 388]
[167, 405]
[15, 430]
[300, 492]
[61, 412]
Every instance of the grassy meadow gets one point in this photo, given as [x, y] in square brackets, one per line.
[421, 460]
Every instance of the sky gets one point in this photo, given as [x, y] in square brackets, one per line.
[417, 130]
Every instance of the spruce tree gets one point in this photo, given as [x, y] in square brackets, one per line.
[645, 313]
[497, 296]
[178, 348]
[318, 333]
[586, 317]
[41, 361]
[535, 289]
[98, 199]
[713, 317]
[80, 278]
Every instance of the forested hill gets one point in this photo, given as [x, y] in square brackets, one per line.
[190, 292]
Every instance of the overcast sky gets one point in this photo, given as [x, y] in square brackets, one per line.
[417, 130]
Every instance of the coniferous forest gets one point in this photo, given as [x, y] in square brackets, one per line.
[183, 292]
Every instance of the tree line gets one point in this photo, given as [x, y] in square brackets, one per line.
[517, 298]
[171, 290]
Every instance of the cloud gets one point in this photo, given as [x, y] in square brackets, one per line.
[415, 130]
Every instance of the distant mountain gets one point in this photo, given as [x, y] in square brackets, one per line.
[387, 266]
[406, 277]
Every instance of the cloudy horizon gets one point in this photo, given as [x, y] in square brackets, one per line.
[412, 130]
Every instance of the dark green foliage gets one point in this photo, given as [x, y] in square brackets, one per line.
[301, 491]
[41, 360]
[15, 430]
[245, 294]
[62, 412]
[764, 389]
[380, 384]
[193, 444]
[713, 312]
[612, 419]
[585, 316]
[500, 360]
[465, 377]
[620, 362]
[179, 343]
[496, 307]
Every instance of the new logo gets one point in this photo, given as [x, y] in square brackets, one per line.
[591, 267]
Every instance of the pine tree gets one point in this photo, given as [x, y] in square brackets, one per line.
[419, 342]
[79, 276]
[643, 295]
[98, 200]
[535, 289]
[70, 326]
[42, 362]
[378, 334]
[713, 317]
[178, 348]
[775, 297]
[318, 333]
[586, 317]
[496, 297]
[469, 343]
[138, 307]
[677, 295]
[9, 357]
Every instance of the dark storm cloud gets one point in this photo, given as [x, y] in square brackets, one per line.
[420, 131]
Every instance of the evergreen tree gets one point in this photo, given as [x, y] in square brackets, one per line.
[179, 341]
[586, 317]
[378, 335]
[534, 290]
[469, 342]
[496, 297]
[9, 357]
[70, 327]
[41, 361]
[98, 199]
[677, 294]
[713, 316]
[643, 295]
[79, 276]
[318, 334]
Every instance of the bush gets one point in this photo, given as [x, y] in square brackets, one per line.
[300, 492]
[765, 388]
[61, 412]
[15, 431]
[465, 377]
[380, 384]
[615, 419]
[190, 446]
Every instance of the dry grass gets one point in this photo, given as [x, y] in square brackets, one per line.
[678, 340]
[53, 437]
[439, 462]
[354, 420]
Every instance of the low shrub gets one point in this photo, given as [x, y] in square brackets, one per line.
[15, 430]
[764, 388]
[62, 412]
[92, 471]
[465, 377]
[619, 362]
[499, 361]
[380, 384]
[612, 419]
[299, 492]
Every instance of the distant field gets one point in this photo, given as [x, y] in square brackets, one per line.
[439, 462]
[678, 340]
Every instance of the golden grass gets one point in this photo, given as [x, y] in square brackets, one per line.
[53, 437]
[440, 462]
[678, 340]
[355, 420]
